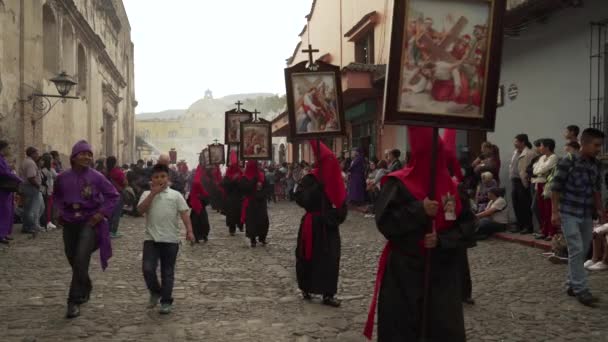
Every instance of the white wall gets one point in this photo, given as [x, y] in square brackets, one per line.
[550, 65]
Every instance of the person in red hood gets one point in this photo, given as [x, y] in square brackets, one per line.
[198, 199]
[323, 194]
[234, 195]
[254, 213]
[403, 215]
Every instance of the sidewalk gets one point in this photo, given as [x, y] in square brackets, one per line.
[527, 240]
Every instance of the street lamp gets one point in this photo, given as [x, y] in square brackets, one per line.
[41, 103]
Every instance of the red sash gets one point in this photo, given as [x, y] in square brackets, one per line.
[307, 235]
[369, 325]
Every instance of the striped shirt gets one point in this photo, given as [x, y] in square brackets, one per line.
[577, 179]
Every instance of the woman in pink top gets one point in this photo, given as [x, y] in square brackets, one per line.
[117, 177]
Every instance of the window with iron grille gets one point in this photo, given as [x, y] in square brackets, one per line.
[598, 73]
[364, 49]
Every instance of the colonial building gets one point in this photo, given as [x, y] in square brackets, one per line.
[546, 56]
[90, 40]
[191, 130]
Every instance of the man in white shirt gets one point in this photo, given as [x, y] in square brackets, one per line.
[162, 206]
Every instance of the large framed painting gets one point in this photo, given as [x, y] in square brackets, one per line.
[232, 125]
[256, 140]
[444, 63]
[216, 154]
[314, 101]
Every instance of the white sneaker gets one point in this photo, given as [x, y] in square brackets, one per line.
[589, 263]
[50, 226]
[598, 266]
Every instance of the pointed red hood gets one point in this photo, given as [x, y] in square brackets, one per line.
[252, 171]
[197, 191]
[329, 173]
[233, 167]
[449, 143]
[416, 176]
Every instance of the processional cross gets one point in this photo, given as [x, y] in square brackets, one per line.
[255, 115]
[310, 51]
[238, 105]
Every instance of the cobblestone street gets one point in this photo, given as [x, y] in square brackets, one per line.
[226, 291]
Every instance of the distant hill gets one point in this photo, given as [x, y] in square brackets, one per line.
[268, 104]
[164, 115]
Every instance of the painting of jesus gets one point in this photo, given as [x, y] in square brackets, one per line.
[316, 104]
[256, 141]
[233, 125]
[444, 60]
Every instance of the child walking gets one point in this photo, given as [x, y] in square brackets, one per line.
[162, 206]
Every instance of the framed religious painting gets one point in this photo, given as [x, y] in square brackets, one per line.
[314, 101]
[216, 154]
[256, 140]
[232, 125]
[444, 63]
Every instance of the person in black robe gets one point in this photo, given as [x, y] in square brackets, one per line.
[198, 200]
[403, 216]
[234, 196]
[255, 207]
[323, 195]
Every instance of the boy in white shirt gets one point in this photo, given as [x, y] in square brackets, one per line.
[162, 206]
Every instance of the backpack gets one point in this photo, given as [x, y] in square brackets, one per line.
[551, 176]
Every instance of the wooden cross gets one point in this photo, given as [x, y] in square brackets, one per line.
[255, 115]
[310, 51]
[215, 141]
[238, 105]
[439, 51]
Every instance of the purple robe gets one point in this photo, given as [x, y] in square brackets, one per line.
[79, 196]
[356, 183]
[7, 204]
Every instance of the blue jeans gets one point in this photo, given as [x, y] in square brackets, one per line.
[578, 233]
[33, 208]
[166, 253]
[116, 214]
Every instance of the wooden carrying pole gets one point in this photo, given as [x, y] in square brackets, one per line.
[431, 228]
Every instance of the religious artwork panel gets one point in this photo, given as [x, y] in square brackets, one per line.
[256, 140]
[233, 125]
[445, 62]
[216, 154]
[206, 156]
[314, 101]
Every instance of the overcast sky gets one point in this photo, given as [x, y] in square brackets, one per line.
[183, 47]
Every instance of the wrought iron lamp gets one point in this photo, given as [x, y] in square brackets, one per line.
[41, 103]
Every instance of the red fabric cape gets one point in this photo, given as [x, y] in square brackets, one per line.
[197, 191]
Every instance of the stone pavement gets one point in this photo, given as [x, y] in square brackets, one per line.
[226, 291]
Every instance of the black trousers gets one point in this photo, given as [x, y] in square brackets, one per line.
[167, 254]
[80, 242]
[522, 205]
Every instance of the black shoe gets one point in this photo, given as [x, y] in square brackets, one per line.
[570, 292]
[232, 233]
[469, 301]
[253, 244]
[205, 239]
[73, 311]
[4, 241]
[241, 229]
[331, 301]
[306, 296]
[263, 242]
[587, 299]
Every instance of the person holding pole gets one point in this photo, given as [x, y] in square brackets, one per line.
[412, 307]
[323, 194]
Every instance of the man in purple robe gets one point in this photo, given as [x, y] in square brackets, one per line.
[356, 183]
[8, 184]
[85, 199]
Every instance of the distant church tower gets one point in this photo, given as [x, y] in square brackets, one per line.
[208, 95]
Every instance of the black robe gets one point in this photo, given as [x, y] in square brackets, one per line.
[256, 220]
[200, 222]
[233, 203]
[402, 220]
[216, 197]
[320, 274]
